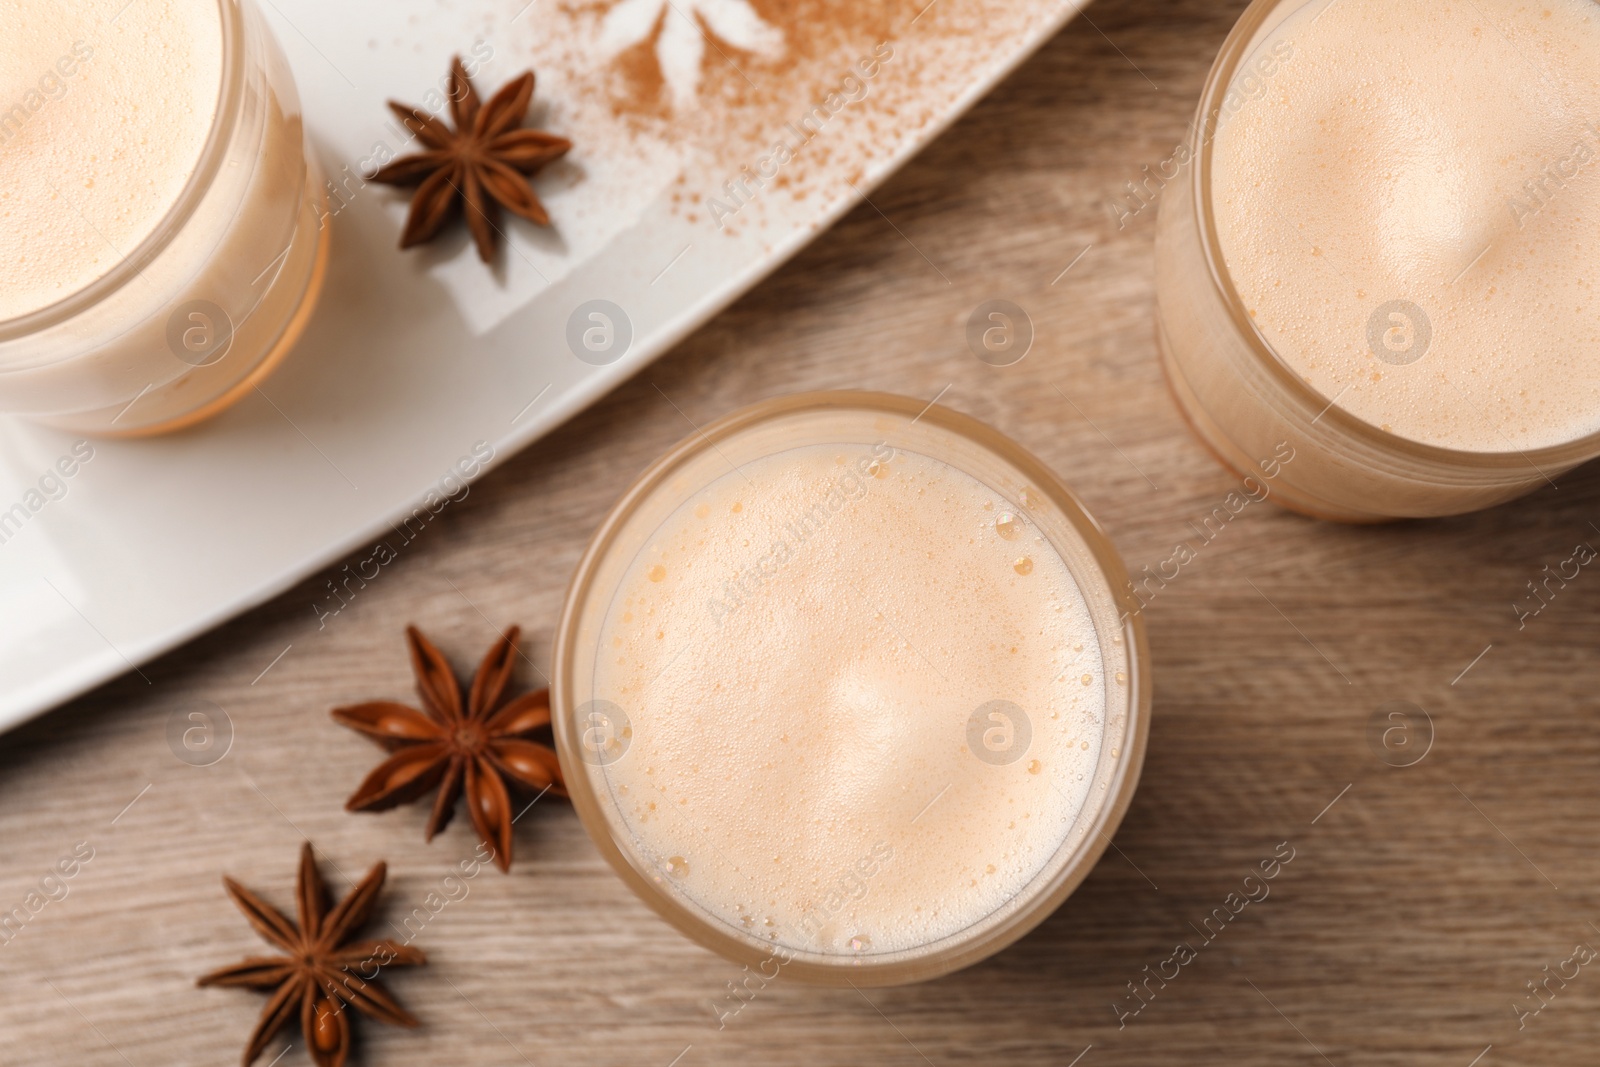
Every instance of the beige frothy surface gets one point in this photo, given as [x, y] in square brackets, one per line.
[799, 762]
[1387, 155]
[103, 117]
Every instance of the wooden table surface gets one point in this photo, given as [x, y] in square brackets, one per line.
[1420, 902]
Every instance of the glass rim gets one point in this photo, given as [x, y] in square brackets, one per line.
[1208, 116]
[230, 94]
[1055, 880]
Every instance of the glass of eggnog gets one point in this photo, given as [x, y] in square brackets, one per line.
[163, 243]
[1386, 252]
[848, 688]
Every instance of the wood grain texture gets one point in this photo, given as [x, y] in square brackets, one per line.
[1402, 933]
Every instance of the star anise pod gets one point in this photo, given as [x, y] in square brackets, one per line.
[483, 163]
[480, 748]
[322, 971]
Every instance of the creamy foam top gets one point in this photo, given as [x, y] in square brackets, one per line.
[103, 117]
[1388, 156]
[804, 650]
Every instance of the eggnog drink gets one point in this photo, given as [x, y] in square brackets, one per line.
[161, 240]
[870, 699]
[1399, 214]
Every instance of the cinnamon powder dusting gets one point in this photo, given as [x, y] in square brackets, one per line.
[718, 84]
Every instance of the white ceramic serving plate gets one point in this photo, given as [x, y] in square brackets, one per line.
[415, 359]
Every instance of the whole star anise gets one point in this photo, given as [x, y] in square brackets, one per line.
[479, 749]
[482, 163]
[322, 970]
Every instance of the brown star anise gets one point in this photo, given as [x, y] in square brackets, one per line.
[322, 970]
[482, 163]
[479, 749]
